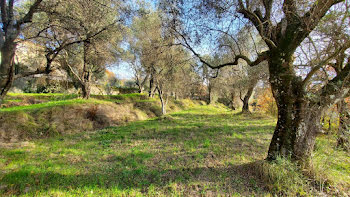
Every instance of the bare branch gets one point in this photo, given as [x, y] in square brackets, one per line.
[323, 63]
[261, 57]
[27, 74]
[261, 24]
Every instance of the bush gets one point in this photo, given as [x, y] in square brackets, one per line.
[267, 104]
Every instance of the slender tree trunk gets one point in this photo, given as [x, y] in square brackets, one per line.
[86, 78]
[151, 88]
[343, 135]
[162, 100]
[298, 120]
[209, 94]
[233, 101]
[7, 69]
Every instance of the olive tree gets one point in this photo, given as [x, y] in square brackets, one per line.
[285, 27]
[95, 27]
[12, 25]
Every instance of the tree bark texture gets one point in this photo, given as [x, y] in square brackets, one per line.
[298, 119]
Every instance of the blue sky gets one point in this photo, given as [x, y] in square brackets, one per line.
[121, 69]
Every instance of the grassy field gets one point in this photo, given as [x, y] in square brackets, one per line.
[206, 151]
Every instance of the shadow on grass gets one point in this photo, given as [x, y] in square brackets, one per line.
[198, 152]
[243, 179]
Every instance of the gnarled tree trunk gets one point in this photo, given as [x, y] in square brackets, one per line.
[245, 107]
[298, 119]
[343, 135]
[86, 90]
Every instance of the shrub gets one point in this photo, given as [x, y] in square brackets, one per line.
[266, 103]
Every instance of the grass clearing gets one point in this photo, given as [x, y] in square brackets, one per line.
[206, 150]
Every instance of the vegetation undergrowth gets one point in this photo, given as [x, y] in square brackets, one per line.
[56, 117]
[206, 150]
[50, 104]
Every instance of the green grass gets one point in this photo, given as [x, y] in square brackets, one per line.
[332, 165]
[124, 98]
[12, 100]
[206, 151]
[50, 104]
[45, 97]
[42, 96]
[61, 96]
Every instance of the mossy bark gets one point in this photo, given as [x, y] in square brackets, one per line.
[343, 135]
[298, 119]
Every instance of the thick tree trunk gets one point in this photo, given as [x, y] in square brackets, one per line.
[343, 135]
[86, 90]
[7, 69]
[212, 94]
[298, 120]
[245, 107]
[85, 85]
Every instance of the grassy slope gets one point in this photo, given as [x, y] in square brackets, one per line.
[59, 114]
[50, 104]
[57, 99]
[205, 150]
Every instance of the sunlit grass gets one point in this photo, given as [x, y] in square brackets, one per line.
[50, 104]
[207, 150]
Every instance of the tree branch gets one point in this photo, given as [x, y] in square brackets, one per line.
[28, 17]
[323, 63]
[309, 21]
[261, 57]
[4, 17]
[27, 74]
[257, 20]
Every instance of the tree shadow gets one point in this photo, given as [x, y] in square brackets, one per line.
[200, 153]
[244, 179]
